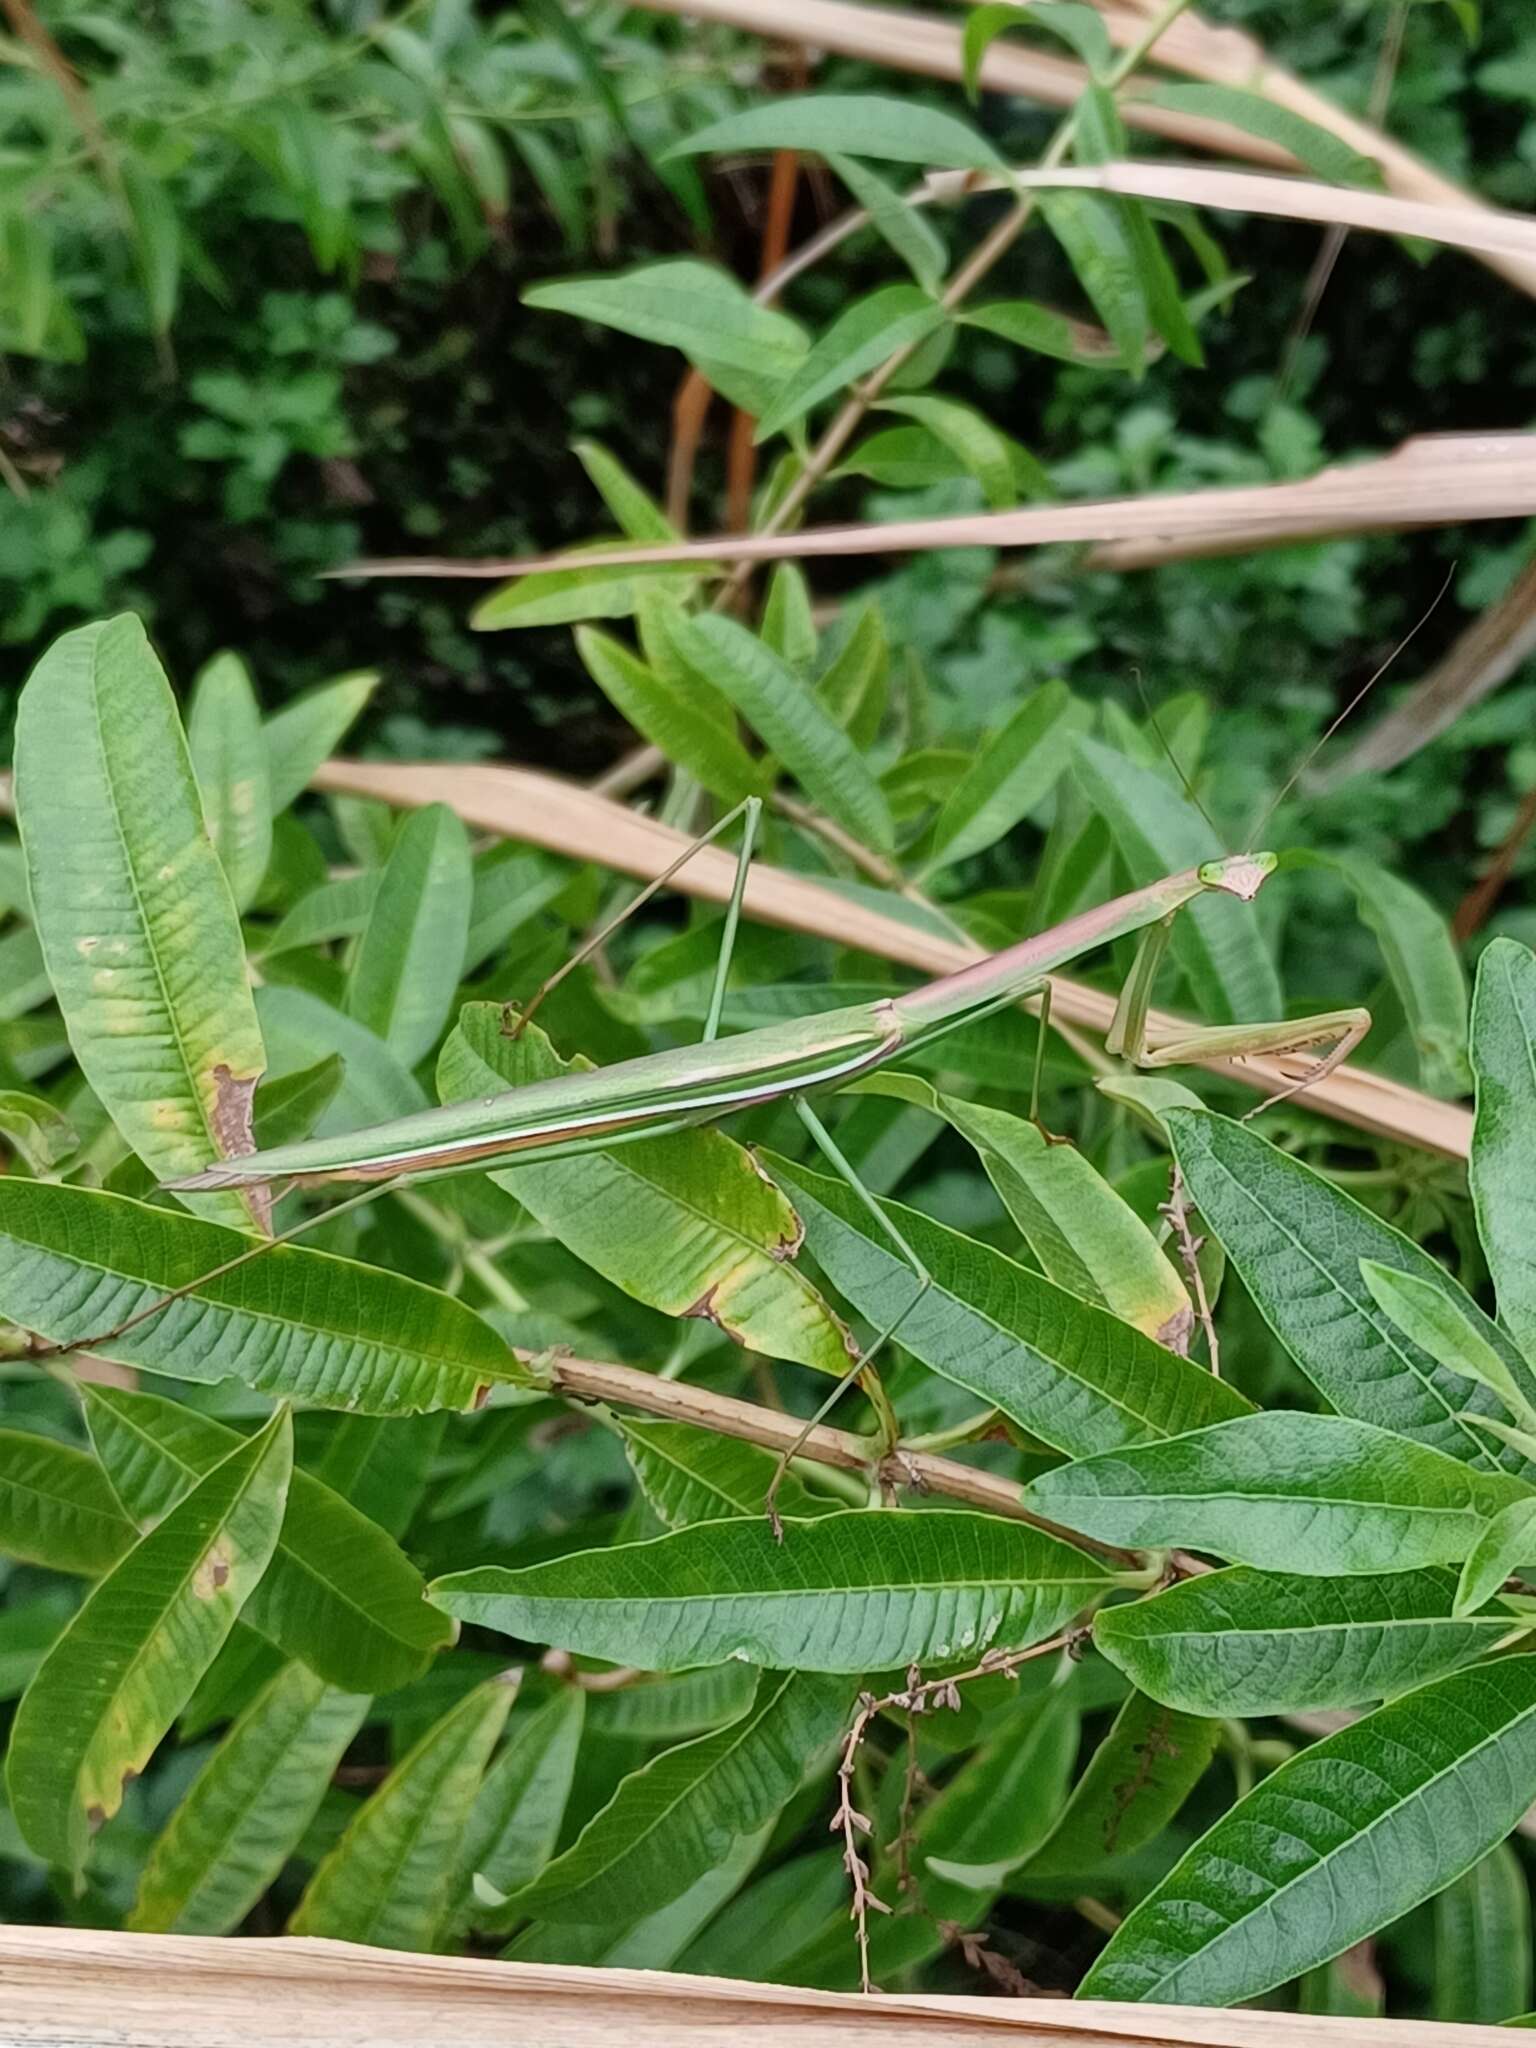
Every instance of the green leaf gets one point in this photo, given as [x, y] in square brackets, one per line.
[1505, 1545]
[308, 730]
[666, 1709]
[1099, 137]
[229, 758]
[1136, 1781]
[300, 1027]
[1297, 1242]
[855, 683]
[685, 1811]
[640, 517]
[339, 1593]
[1070, 1373]
[1091, 230]
[868, 1590]
[1013, 771]
[1000, 1804]
[1047, 332]
[337, 909]
[685, 1223]
[1483, 1943]
[288, 1109]
[787, 625]
[850, 124]
[37, 1132]
[764, 1926]
[1078, 25]
[247, 1809]
[1247, 1643]
[790, 718]
[1316, 1494]
[1320, 151]
[1425, 1314]
[512, 885]
[904, 227]
[986, 455]
[156, 239]
[676, 720]
[1082, 1234]
[1157, 831]
[406, 969]
[56, 1507]
[691, 1475]
[864, 335]
[562, 597]
[515, 1824]
[132, 907]
[389, 1880]
[1423, 964]
[683, 304]
[295, 1322]
[1504, 1061]
[1342, 1839]
[28, 1630]
[127, 1664]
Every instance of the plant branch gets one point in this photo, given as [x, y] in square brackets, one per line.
[587, 1379]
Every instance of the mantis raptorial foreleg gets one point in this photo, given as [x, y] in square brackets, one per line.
[835, 1158]
[1339, 1030]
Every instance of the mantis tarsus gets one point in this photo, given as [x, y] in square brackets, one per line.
[670, 1091]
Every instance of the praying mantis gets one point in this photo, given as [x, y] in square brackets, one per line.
[792, 1061]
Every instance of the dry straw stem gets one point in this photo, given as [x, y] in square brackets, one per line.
[1497, 643]
[71, 1984]
[1432, 480]
[1224, 56]
[517, 803]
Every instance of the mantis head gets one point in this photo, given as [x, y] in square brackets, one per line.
[1240, 874]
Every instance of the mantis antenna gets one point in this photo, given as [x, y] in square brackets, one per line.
[1350, 708]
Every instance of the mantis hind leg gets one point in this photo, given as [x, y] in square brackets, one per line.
[828, 1147]
[751, 809]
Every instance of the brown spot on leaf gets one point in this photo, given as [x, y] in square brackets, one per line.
[95, 1818]
[231, 1123]
[481, 1395]
[1175, 1334]
[212, 1575]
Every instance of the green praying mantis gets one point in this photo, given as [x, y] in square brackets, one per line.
[794, 1061]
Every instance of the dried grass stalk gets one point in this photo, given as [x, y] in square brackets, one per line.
[75, 1984]
[1434, 479]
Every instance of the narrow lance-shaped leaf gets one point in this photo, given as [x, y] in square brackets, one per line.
[338, 1593]
[862, 1591]
[986, 454]
[1427, 1316]
[864, 335]
[1347, 1836]
[850, 124]
[683, 1813]
[675, 720]
[76, 1263]
[56, 1507]
[1002, 1801]
[855, 683]
[633, 506]
[408, 961]
[1297, 1241]
[588, 589]
[1084, 1236]
[231, 762]
[308, 731]
[389, 1880]
[686, 1223]
[41, 1134]
[1014, 771]
[1504, 1061]
[1069, 1372]
[904, 227]
[667, 1709]
[1316, 1494]
[787, 625]
[512, 1831]
[1248, 1643]
[127, 1664]
[1483, 1943]
[246, 1811]
[790, 718]
[1507, 1544]
[1136, 1781]
[1317, 148]
[132, 907]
